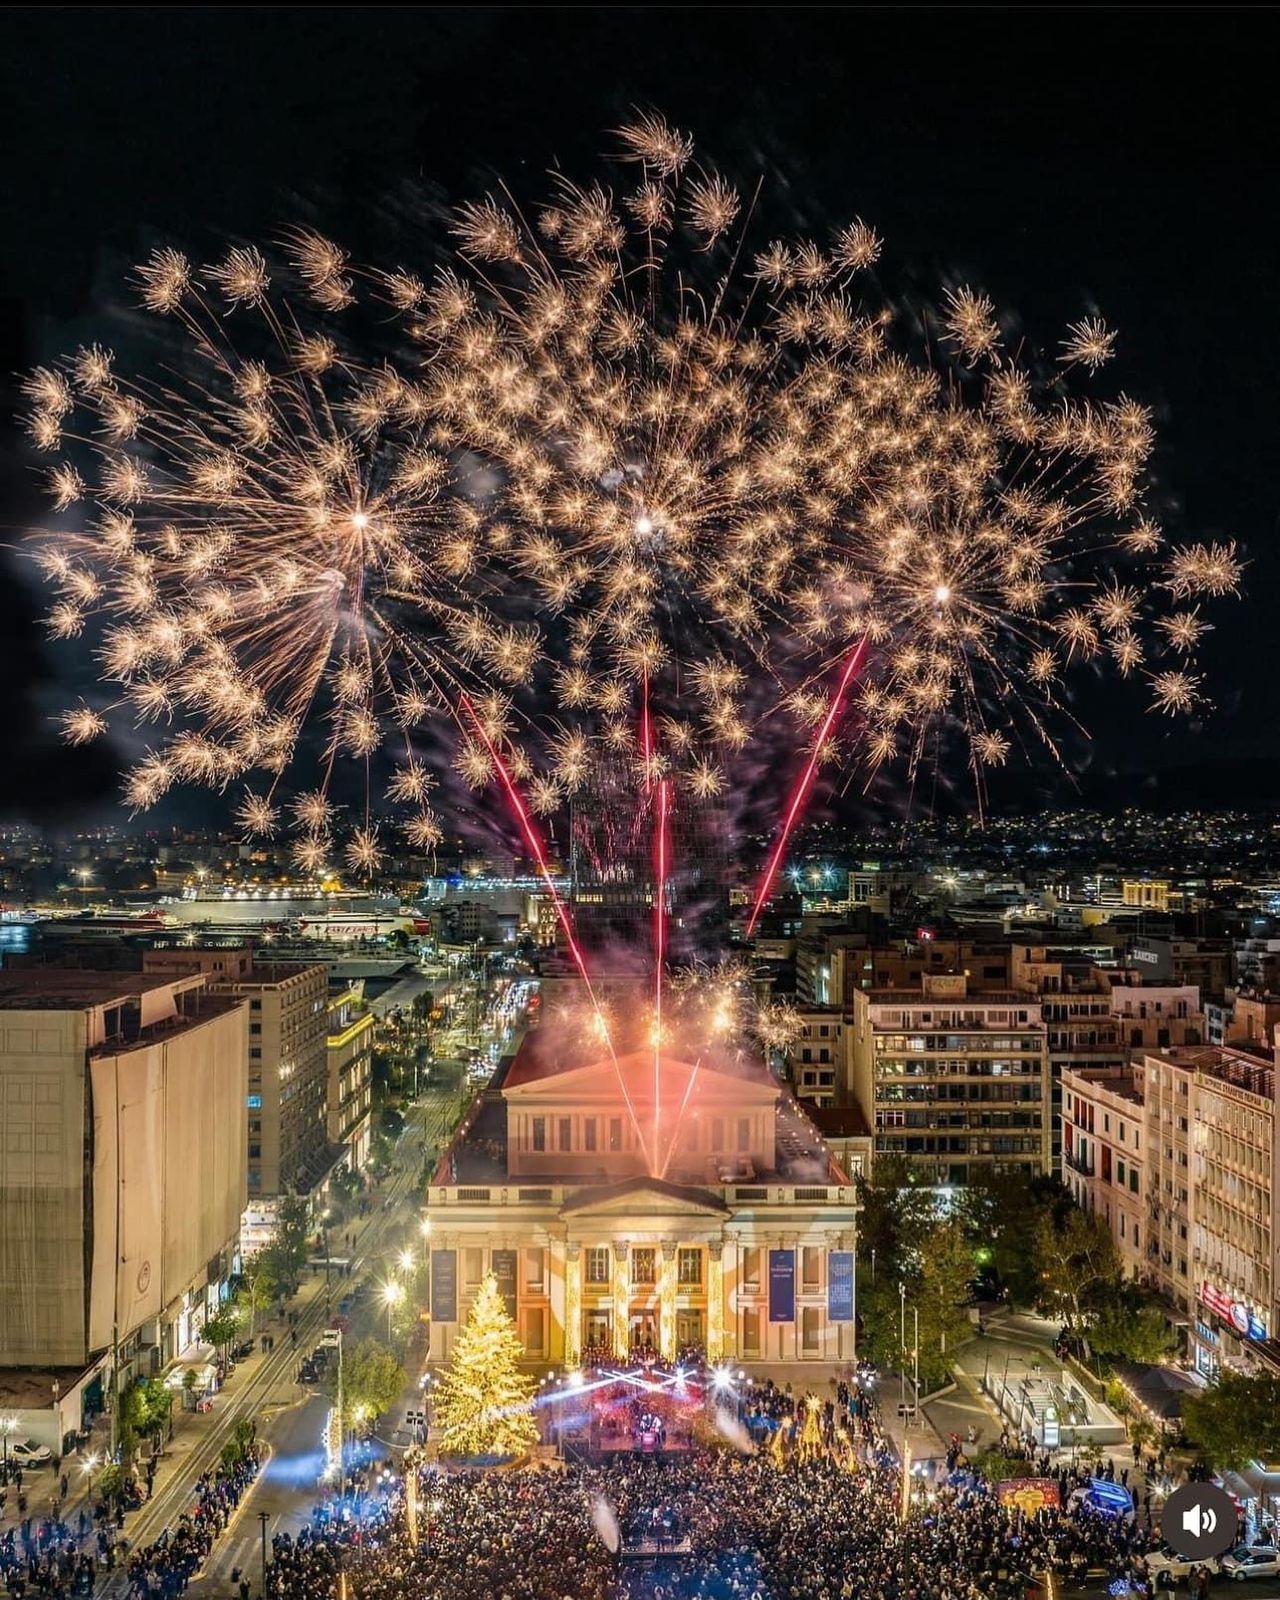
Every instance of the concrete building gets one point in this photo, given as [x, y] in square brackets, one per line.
[1102, 1155]
[952, 1076]
[285, 1107]
[818, 1056]
[349, 1096]
[1153, 1015]
[122, 1179]
[622, 1202]
[1210, 1132]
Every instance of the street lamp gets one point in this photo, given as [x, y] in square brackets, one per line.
[393, 1294]
[90, 1465]
[406, 1261]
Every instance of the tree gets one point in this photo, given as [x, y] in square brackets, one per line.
[287, 1253]
[1075, 1257]
[484, 1403]
[940, 1295]
[372, 1380]
[1128, 1327]
[1001, 1212]
[258, 1287]
[222, 1330]
[1236, 1420]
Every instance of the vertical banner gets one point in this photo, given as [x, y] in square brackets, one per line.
[444, 1286]
[782, 1286]
[503, 1264]
[840, 1286]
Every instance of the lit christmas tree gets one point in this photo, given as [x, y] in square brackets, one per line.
[483, 1405]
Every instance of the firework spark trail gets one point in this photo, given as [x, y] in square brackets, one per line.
[660, 955]
[852, 663]
[539, 855]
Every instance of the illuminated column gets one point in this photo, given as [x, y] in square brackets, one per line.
[621, 1299]
[667, 1303]
[572, 1305]
[715, 1302]
[559, 1340]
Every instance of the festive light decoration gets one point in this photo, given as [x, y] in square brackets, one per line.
[484, 1402]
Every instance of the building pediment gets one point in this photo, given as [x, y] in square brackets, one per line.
[698, 1083]
[651, 1196]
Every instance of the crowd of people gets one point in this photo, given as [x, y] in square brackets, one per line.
[719, 1524]
[163, 1570]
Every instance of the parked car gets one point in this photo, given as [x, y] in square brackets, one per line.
[308, 1372]
[27, 1453]
[1165, 1567]
[1257, 1561]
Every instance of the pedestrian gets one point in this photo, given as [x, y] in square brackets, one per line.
[63, 1486]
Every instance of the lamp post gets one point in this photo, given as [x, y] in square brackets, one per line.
[90, 1467]
[392, 1294]
[264, 1517]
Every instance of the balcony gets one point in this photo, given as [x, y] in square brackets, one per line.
[1084, 1165]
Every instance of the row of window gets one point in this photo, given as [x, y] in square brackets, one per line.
[612, 1129]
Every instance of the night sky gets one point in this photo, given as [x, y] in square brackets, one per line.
[1069, 162]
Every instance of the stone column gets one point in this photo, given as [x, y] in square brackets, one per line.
[621, 1298]
[715, 1302]
[667, 1302]
[572, 1304]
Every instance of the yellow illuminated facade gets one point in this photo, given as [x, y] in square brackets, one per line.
[547, 1183]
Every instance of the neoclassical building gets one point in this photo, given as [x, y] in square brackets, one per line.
[628, 1199]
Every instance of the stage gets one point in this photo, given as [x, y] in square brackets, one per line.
[634, 1410]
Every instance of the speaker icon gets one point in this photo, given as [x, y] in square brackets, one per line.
[1199, 1520]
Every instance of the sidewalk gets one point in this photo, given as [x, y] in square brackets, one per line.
[193, 1431]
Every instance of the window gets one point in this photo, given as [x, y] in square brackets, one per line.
[689, 1268]
[750, 1332]
[717, 1135]
[810, 1267]
[566, 1133]
[255, 1054]
[598, 1264]
[533, 1271]
[254, 1102]
[615, 1133]
[644, 1264]
[535, 1331]
[751, 1262]
[809, 1339]
[539, 1133]
[255, 1027]
[589, 1134]
[744, 1133]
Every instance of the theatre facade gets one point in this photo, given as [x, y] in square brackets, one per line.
[670, 1205]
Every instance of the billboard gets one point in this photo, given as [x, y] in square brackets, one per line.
[840, 1286]
[503, 1263]
[782, 1286]
[1029, 1495]
[444, 1286]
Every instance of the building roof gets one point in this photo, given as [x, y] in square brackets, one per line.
[972, 997]
[839, 1122]
[75, 989]
[546, 1052]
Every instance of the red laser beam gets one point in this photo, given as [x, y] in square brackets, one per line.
[534, 843]
[684, 1101]
[660, 955]
[852, 663]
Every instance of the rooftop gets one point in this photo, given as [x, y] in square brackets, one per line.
[73, 989]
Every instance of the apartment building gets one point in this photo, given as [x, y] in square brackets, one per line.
[1102, 1155]
[818, 1062]
[122, 1179]
[285, 1104]
[951, 1076]
[1210, 1132]
[349, 1098]
[1155, 1016]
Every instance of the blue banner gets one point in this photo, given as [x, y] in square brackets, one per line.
[840, 1286]
[782, 1286]
[444, 1286]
